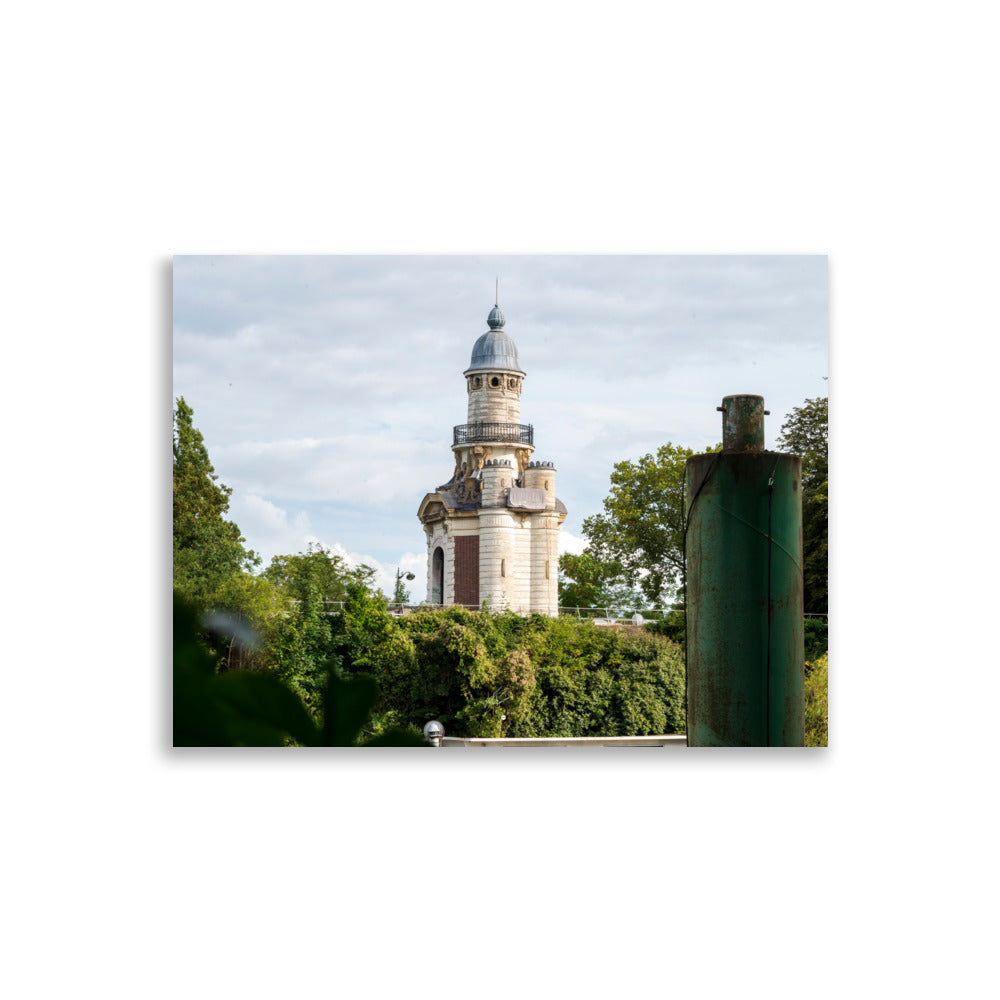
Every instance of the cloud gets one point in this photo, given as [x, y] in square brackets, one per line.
[574, 544]
[268, 528]
[329, 386]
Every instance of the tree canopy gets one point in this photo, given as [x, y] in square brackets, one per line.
[805, 433]
[317, 572]
[587, 582]
[642, 527]
[208, 549]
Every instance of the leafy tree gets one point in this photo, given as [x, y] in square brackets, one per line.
[208, 549]
[805, 433]
[642, 526]
[587, 582]
[317, 571]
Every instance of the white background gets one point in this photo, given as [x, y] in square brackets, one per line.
[865, 131]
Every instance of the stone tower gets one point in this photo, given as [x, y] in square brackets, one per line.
[493, 528]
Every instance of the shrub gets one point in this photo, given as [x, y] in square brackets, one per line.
[817, 680]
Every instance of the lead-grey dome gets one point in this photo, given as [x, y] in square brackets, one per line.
[494, 349]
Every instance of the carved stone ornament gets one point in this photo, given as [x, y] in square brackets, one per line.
[479, 456]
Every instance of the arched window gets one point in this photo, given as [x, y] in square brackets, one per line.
[437, 577]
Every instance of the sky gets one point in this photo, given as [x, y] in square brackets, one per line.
[326, 387]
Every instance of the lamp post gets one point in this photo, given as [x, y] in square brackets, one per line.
[399, 595]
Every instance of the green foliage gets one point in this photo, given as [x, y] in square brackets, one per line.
[642, 527]
[310, 637]
[232, 709]
[360, 635]
[595, 681]
[207, 549]
[673, 626]
[319, 571]
[588, 582]
[805, 432]
[815, 630]
[485, 675]
[817, 708]
[242, 708]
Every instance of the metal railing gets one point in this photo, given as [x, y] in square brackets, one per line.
[510, 433]
[601, 616]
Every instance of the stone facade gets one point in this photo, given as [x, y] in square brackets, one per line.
[493, 528]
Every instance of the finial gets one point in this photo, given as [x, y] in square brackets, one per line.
[495, 318]
[496, 301]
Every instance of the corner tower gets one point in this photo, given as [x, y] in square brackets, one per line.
[493, 528]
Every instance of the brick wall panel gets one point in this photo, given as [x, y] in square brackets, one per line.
[467, 569]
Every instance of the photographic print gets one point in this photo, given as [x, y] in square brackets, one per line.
[501, 500]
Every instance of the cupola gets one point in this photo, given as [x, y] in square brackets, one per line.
[494, 349]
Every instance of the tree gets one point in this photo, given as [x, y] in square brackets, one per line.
[207, 548]
[317, 570]
[587, 582]
[642, 526]
[805, 433]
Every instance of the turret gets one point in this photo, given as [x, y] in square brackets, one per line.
[542, 476]
[498, 476]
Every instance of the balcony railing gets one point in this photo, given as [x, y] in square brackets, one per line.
[510, 433]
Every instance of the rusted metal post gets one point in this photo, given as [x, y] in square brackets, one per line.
[744, 588]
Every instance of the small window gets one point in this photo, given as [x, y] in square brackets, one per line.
[546, 569]
[477, 382]
[495, 381]
[503, 567]
[512, 383]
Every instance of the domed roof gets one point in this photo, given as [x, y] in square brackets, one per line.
[494, 349]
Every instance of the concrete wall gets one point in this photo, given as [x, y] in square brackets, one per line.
[579, 742]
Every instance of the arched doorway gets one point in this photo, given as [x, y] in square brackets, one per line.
[437, 576]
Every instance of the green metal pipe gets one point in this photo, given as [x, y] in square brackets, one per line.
[743, 423]
[744, 589]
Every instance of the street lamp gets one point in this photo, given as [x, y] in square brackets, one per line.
[400, 577]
